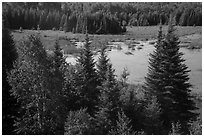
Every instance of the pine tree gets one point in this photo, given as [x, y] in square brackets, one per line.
[167, 79]
[87, 78]
[9, 103]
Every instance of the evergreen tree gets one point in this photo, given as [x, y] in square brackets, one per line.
[110, 95]
[65, 26]
[42, 20]
[49, 21]
[102, 65]
[167, 79]
[87, 78]
[58, 56]
[102, 117]
[58, 89]
[9, 103]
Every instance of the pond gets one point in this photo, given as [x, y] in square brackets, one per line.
[136, 61]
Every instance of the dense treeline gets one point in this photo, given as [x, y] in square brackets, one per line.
[56, 97]
[99, 17]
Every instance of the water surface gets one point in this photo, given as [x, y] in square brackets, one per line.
[137, 63]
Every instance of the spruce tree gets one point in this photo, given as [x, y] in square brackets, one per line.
[58, 89]
[58, 56]
[109, 95]
[65, 26]
[167, 79]
[110, 91]
[87, 78]
[102, 65]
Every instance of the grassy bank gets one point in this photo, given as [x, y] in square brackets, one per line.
[48, 37]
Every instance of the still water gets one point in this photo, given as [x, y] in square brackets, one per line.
[137, 62]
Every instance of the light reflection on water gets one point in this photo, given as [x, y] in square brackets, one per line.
[137, 64]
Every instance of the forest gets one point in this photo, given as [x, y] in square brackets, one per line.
[101, 18]
[42, 94]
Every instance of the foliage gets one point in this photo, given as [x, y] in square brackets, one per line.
[58, 88]
[99, 18]
[9, 103]
[33, 86]
[111, 92]
[66, 25]
[87, 79]
[152, 121]
[102, 122]
[124, 77]
[133, 102]
[167, 79]
[133, 106]
[123, 126]
[196, 126]
[78, 123]
[102, 65]
[109, 95]
[59, 98]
